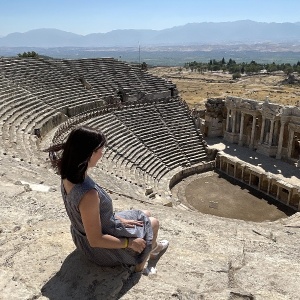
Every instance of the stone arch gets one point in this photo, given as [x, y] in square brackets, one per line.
[231, 169]
[273, 190]
[239, 172]
[283, 194]
[254, 180]
[246, 176]
[295, 200]
[264, 185]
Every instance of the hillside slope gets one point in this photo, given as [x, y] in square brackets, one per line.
[208, 257]
[243, 31]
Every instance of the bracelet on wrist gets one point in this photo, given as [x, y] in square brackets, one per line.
[126, 243]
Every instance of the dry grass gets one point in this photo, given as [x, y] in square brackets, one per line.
[195, 88]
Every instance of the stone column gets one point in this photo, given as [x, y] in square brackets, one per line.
[221, 163]
[276, 131]
[227, 120]
[271, 133]
[289, 197]
[241, 129]
[262, 130]
[253, 132]
[269, 185]
[242, 177]
[238, 121]
[277, 194]
[290, 144]
[233, 121]
[280, 140]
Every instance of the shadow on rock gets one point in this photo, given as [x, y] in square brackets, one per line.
[81, 279]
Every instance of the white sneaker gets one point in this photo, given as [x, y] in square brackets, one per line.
[161, 246]
[150, 271]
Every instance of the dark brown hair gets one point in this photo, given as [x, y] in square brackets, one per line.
[71, 158]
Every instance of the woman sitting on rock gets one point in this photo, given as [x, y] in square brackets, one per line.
[105, 237]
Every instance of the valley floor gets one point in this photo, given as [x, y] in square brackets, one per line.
[195, 88]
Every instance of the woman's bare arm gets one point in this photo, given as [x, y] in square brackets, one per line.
[90, 214]
[130, 223]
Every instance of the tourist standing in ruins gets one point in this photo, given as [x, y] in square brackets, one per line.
[105, 237]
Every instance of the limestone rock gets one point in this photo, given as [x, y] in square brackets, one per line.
[209, 257]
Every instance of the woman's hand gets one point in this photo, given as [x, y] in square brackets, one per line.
[137, 244]
[130, 223]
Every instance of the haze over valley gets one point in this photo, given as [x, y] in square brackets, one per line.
[241, 40]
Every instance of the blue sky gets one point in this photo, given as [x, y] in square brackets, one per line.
[90, 16]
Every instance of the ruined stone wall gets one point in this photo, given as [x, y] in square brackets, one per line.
[264, 182]
[269, 128]
[213, 124]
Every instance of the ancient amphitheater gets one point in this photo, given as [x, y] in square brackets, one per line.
[155, 148]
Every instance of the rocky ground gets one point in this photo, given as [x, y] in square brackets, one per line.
[208, 258]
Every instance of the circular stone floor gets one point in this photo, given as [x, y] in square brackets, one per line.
[216, 196]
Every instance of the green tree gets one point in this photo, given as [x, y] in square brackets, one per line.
[271, 67]
[231, 62]
[31, 54]
[236, 75]
[287, 68]
[216, 68]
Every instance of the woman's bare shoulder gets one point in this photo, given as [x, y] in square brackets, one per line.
[92, 193]
[89, 200]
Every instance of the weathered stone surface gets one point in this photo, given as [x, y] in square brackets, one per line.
[208, 257]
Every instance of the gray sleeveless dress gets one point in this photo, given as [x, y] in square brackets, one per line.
[110, 225]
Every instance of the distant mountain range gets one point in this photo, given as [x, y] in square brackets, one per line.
[237, 32]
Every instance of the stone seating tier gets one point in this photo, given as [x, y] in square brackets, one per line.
[112, 75]
[184, 132]
[112, 155]
[21, 113]
[118, 185]
[44, 78]
[146, 143]
[142, 131]
[133, 149]
[16, 113]
[142, 145]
